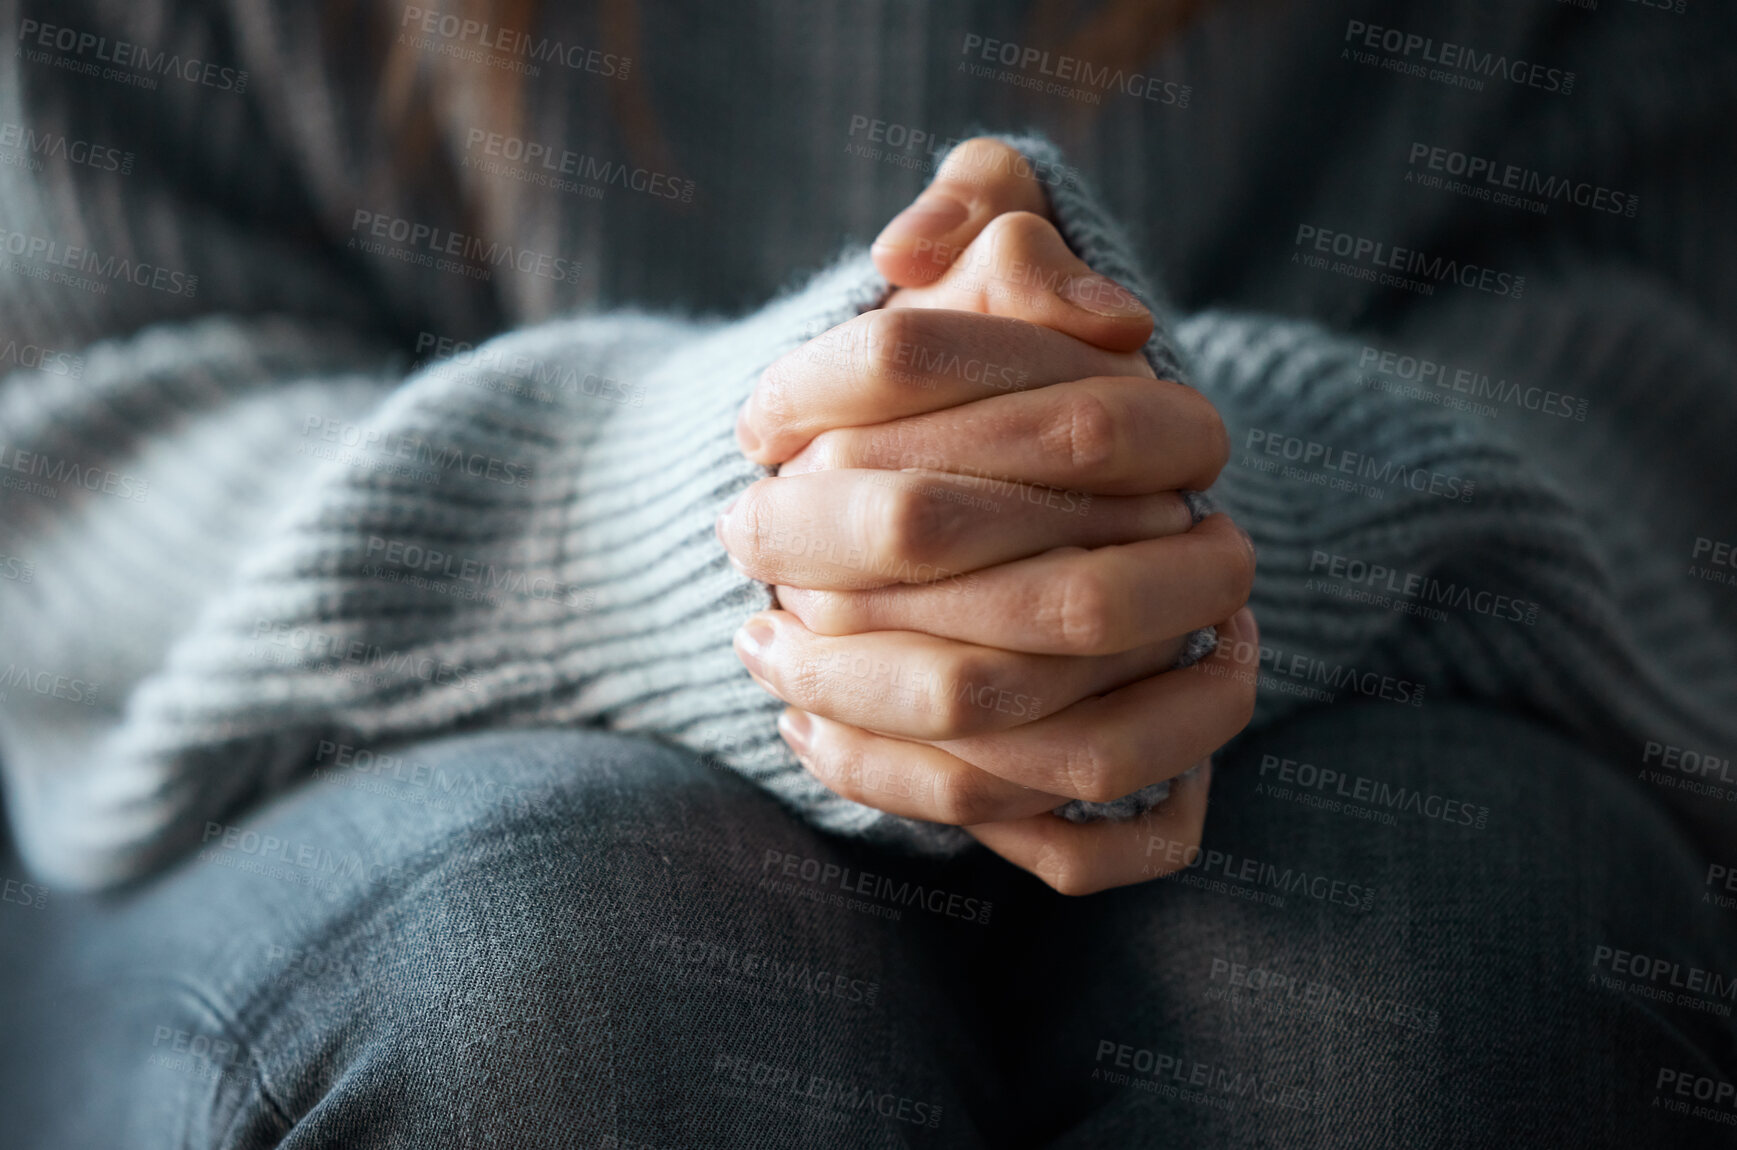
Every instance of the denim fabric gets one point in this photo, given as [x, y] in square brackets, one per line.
[576, 939]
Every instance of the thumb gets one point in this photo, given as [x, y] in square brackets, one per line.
[1021, 268]
[980, 179]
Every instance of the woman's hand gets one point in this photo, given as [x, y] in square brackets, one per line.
[985, 568]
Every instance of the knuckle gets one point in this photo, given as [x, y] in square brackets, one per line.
[905, 524]
[774, 395]
[959, 798]
[1246, 695]
[1081, 616]
[1243, 576]
[806, 682]
[823, 612]
[830, 450]
[757, 522]
[1236, 581]
[1216, 437]
[894, 446]
[980, 160]
[833, 765]
[1087, 763]
[1014, 234]
[883, 351]
[849, 771]
[953, 694]
[1240, 692]
[1061, 870]
[1085, 434]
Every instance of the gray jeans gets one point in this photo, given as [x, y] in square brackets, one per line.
[1441, 926]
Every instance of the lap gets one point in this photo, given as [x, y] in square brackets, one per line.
[1402, 930]
[551, 938]
[570, 938]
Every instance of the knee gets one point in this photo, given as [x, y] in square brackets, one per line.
[484, 811]
[496, 981]
[468, 961]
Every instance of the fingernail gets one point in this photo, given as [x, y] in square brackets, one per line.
[1103, 297]
[753, 644]
[795, 726]
[931, 216]
[745, 436]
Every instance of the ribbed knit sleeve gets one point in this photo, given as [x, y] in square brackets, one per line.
[1408, 552]
[520, 535]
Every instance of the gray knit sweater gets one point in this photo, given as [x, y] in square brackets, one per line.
[272, 496]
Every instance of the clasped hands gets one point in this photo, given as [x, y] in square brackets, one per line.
[984, 568]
